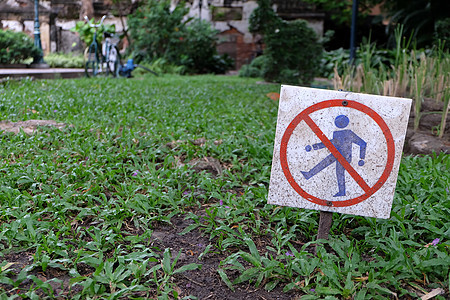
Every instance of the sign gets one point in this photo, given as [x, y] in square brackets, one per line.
[337, 151]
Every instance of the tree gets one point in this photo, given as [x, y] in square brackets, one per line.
[87, 9]
[419, 17]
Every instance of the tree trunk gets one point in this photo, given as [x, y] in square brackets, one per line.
[87, 9]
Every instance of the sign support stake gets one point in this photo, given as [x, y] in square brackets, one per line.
[325, 221]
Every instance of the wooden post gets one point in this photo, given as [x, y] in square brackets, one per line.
[325, 221]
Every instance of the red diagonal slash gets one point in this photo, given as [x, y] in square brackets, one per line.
[340, 158]
[304, 115]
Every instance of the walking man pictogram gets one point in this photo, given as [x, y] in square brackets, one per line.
[342, 140]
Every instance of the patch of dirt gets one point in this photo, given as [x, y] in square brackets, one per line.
[206, 282]
[208, 164]
[29, 126]
[424, 140]
[20, 260]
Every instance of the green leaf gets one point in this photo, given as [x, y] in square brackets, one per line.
[166, 261]
[225, 279]
[251, 259]
[253, 250]
[189, 228]
[247, 275]
[271, 285]
[188, 267]
[327, 291]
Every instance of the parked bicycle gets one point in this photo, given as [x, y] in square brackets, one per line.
[105, 61]
[111, 54]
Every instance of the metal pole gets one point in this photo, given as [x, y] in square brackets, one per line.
[353, 32]
[200, 2]
[37, 33]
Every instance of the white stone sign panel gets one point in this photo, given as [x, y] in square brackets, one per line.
[337, 151]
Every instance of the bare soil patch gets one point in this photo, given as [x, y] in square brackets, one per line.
[29, 126]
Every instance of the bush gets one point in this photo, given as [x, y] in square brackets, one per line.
[86, 32]
[15, 47]
[263, 18]
[64, 60]
[442, 31]
[293, 53]
[161, 66]
[157, 31]
[255, 68]
[199, 51]
[340, 58]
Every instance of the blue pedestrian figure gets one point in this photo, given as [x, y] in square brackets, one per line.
[342, 140]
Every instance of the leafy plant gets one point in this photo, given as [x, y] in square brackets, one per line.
[255, 68]
[162, 274]
[198, 51]
[64, 60]
[263, 18]
[15, 47]
[158, 32]
[415, 74]
[86, 32]
[292, 50]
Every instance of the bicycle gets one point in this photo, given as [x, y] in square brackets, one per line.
[108, 59]
[111, 55]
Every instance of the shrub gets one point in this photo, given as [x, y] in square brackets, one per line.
[161, 66]
[442, 31]
[156, 31]
[15, 47]
[199, 49]
[159, 32]
[293, 53]
[64, 60]
[255, 68]
[339, 58]
[86, 32]
[263, 18]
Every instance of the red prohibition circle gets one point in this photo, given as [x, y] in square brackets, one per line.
[305, 116]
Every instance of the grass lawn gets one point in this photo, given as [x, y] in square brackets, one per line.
[157, 188]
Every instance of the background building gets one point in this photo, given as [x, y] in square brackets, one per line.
[230, 17]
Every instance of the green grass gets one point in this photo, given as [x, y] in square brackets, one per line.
[88, 197]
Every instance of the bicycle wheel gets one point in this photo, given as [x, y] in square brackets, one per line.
[91, 67]
[113, 62]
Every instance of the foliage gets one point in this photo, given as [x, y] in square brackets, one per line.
[83, 201]
[263, 19]
[198, 52]
[442, 31]
[160, 66]
[64, 60]
[255, 68]
[415, 74]
[159, 32]
[418, 18]
[16, 47]
[293, 53]
[341, 11]
[86, 32]
[339, 58]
